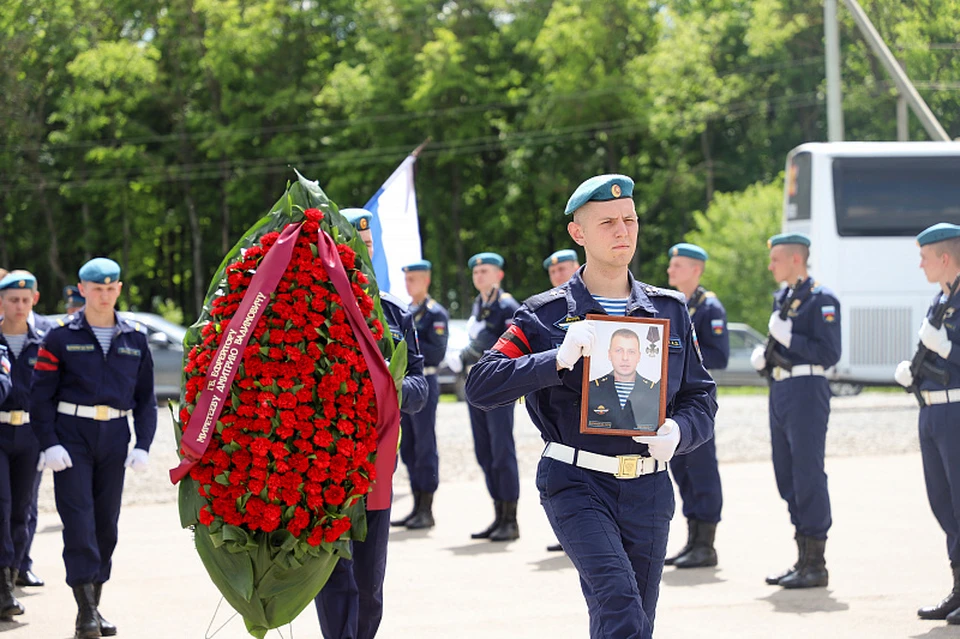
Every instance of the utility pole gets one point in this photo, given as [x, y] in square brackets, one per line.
[904, 86]
[831, 36]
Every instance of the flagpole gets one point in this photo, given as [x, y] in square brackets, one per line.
[416, 151]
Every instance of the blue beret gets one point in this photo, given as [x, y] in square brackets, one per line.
[422, 265]
[936, 233]
[360, 218]
[565, 255]
[72, 294]
[788, 238]
[684, 249]
[485, 258]
[18, 281]
[600, 188]
[100, 270]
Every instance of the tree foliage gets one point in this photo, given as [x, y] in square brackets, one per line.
[156, 131]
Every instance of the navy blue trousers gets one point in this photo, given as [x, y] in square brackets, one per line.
[615, 532]
[940, 451]
[88, 495]
[418, 446]
[496, 452]
[27, 563]
[698, 478]
[350, 605]
[799, 412]
[19, 452]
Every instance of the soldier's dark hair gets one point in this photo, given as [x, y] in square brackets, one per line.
[951, 247]
[625, 332]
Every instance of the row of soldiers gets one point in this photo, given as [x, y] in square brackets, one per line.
[72, 385]
[532, 351]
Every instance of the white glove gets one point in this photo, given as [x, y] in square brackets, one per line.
[453, 362]
[903, 376]
[758, 358]
[577, 343]
[781, 330]
[664, 444]
[137, 459]
[474, 327]
[935, 339]
[56, 458]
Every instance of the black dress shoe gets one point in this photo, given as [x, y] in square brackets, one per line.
[28, 580]
[555, 548]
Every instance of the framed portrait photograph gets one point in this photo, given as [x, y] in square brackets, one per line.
[624, 380]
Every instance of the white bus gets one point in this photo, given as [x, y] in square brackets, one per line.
[863, 204]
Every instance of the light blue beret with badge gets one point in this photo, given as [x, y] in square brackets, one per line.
[600, 188]
[100, 270]
[788, 238]
[360, 218]
[938, 233]
[422, 265]
[685, 249]
[564, 255]
[485, 258]
[18, 281]
[72, 296]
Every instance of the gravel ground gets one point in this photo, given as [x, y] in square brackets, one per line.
[868, 424]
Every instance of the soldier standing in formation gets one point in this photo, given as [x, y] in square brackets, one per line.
[807, 343]
[418, 443]
[697, 473]
[91, 373]
[940, 410]
[606, 497]
[493, 443]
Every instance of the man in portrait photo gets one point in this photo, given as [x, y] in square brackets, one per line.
[624, 399]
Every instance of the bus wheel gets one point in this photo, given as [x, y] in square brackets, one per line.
[844, 389]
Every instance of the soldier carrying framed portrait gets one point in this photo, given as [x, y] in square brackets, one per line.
[622, 389]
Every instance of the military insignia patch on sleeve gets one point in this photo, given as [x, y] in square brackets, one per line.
[717, 326]
[829, 313]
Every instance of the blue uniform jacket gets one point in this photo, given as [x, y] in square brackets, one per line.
[816, 325]
[400, 322]
[71, 368]
[5, 382]
[432, 321]
[951, 322]
[553, 397]
[495, 315]
[22, 373]
[710, 321]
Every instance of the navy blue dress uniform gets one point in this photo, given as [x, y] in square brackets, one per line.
[80, 401]
[418, 445]
[640, 409]
[350, 605]
[493, 426]
[697, 474]
[607, 500]
[799, 411]
[19, 450]
[939, 420]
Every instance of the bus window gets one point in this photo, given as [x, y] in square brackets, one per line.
[895, 196]
[798, 187]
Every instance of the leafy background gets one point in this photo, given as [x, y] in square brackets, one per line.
[156, 131]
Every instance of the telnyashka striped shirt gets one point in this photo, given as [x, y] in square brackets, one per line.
[612, 305]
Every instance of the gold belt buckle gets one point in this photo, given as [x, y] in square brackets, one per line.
[102, 413]
[16, 418]
[628, 466]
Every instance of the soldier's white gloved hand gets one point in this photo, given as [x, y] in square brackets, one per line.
[577, 343]
[758, 358]
[935, 339]
[780, 329]
[664, 444]
[903, 376]
[474, 327]
[453, 362]
[137, 459]
[56, 458]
